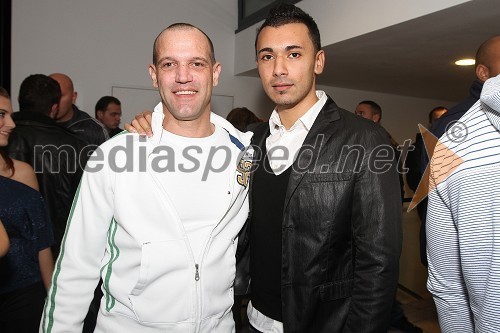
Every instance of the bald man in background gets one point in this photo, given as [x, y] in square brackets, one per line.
[74, 119]
[487, 66]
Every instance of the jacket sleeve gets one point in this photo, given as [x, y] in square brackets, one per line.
[377, 237]
[445, 281]
[77, 268]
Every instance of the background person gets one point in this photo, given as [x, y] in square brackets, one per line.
[463, 224]
[56, 154]
[26, 270]
[108, 110]
[241, 118]
[4, 240]
[71, 117]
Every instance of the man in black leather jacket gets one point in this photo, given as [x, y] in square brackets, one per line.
[56, 154]
[324, 236]
[77, 121]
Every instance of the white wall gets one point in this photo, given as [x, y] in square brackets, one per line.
[106, 43]
[339, 20]
[400, 114]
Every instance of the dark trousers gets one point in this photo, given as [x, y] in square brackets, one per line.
[21, 310]
[91, 318]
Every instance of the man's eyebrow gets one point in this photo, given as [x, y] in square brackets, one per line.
[287, 48]
[265, 49]
[192, 59]
[201, 59]
[292, 47]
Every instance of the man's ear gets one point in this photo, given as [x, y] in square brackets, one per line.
[75, 95]
[53, 111]
[152, 73]
[99, 114]
[482, 72]
[376, 118]
[319, 64]
[216, 72]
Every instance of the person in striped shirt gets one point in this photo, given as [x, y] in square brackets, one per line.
[463, 218]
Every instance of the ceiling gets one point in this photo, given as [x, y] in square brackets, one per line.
[414, 58]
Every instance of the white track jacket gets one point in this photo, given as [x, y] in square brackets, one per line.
[123, 228]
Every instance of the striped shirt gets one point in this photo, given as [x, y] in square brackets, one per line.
[463, 219]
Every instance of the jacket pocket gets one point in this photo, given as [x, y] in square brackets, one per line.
[329, 177]
[163, 292]
[217, 277]
[335, 290]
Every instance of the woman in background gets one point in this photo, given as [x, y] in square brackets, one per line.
[26, 269]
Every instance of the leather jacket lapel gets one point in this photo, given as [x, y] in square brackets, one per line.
[318, 136]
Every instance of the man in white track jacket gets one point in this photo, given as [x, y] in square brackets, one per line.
[157, 219]
[463, 221]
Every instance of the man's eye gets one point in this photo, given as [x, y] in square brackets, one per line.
[267, 57]
[198, 64]
[294, 55]
[167, 65]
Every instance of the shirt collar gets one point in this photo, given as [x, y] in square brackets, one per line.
[306, 121]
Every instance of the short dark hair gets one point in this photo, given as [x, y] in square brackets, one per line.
[180, 26]
[437, 108]
[375, 107]
[4, 93]
[38, 93]
[104, 101]
[285, 14]
[241, 118]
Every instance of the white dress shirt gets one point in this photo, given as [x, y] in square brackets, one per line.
[283, 145]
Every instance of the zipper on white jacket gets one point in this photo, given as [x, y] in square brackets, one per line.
[197, 273]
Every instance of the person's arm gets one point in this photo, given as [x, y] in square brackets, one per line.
[445, 281]
[377, 238]
[77, 269]
[141, 124]
[4, 240]
[46, 263]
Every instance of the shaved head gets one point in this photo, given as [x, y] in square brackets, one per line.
[181, 26]
[68, 96]
[488, 59]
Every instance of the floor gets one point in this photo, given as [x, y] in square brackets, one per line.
[420, 311]
[416, 301]
[412, 294]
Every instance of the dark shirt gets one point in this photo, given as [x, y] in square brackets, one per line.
[268, 199]
[451, 116]
[23, 213]
[115, 131]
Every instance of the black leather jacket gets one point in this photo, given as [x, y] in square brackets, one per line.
[86, 128]
[341, 230]
[54, 153]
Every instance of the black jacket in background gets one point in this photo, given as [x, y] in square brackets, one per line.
[341, 229]
[86, 128]
[58, 158]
